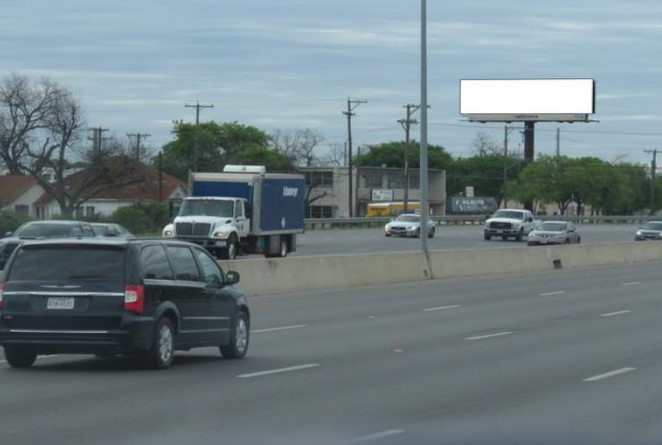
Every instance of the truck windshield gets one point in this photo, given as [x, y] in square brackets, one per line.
[210, 207]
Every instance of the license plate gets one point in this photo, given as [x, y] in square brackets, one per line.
[60, 303]
[543, 241]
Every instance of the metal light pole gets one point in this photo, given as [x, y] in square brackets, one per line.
[424, 141]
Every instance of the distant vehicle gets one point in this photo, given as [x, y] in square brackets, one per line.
[39, 230]
[139, 297]
[408, 224]
[112, 230]
[553, 232]
[651, 231]
[508, 223]
[391, 208]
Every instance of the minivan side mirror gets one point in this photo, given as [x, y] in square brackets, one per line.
[231, 277]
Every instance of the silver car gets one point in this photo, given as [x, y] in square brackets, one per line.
[652, 230]
[408, 224]
[553, 232]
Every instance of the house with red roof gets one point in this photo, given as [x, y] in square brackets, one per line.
[18, 194]
[149, 185]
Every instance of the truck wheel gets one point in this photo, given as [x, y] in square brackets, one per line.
[283, 247]
[519, 236]
[232, 248]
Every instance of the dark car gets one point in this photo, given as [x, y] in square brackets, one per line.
[105, 296]
[40, 230]
[651, 231]
[112, 229]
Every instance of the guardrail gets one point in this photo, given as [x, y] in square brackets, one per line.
[353, 223]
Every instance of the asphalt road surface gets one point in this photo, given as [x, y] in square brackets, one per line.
[341, 241]
[557, 357]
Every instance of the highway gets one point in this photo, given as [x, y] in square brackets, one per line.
[341, 241]
[558, 357]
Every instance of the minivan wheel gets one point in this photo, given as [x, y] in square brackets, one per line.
[162, 352]
[19, 357]
[238, 345]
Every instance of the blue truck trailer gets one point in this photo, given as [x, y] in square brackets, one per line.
[242, 210]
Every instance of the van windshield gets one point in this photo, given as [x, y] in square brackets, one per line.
[68, 263]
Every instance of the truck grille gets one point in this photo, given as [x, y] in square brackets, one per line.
[193, 229]
[500, 225]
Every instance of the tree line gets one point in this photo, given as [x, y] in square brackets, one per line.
[42, 128]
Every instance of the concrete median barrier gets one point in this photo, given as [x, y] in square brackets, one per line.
[295, 274]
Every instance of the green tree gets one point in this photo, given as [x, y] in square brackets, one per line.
[219, 144]
[484, 173]
[391, 154]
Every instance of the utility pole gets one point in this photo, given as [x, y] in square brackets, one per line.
[406, 124]
[351, 106]
[138, 137]
[653, 180]
[96, 138]
[196, 143]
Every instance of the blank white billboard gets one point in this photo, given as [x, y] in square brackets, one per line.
[527, 99]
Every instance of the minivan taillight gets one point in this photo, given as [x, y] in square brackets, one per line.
[134, 298]
[2, 289]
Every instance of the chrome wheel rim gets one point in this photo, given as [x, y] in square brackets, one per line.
[241, 335]
[283, 248]
[165, 343]
[232, 250]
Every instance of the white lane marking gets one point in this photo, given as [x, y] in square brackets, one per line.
[612, 314]
[38, 357]
[606, 375]
[376, 436]
[631, 283]
[547, 294]
[282, 328]
[441, 308]
[496, 334]
[277, 371]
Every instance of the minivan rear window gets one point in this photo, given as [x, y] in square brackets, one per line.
[68, 263]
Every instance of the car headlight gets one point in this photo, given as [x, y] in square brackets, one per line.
[166, 233]
[221, 235]
[411, 227]
[639, 233]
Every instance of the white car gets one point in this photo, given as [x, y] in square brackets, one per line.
[408, 224]
[553, 232]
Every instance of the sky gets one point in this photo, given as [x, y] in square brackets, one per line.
[293, 64]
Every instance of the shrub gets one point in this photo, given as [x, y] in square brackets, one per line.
[10, 222]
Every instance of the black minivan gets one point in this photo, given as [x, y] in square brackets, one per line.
[106, 296]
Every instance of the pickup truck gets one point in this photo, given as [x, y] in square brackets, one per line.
[508, 223]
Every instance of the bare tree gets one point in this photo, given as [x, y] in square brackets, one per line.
[41, 127]
[300, 145]
[336, 155]
[26, 109]
[484, 144]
